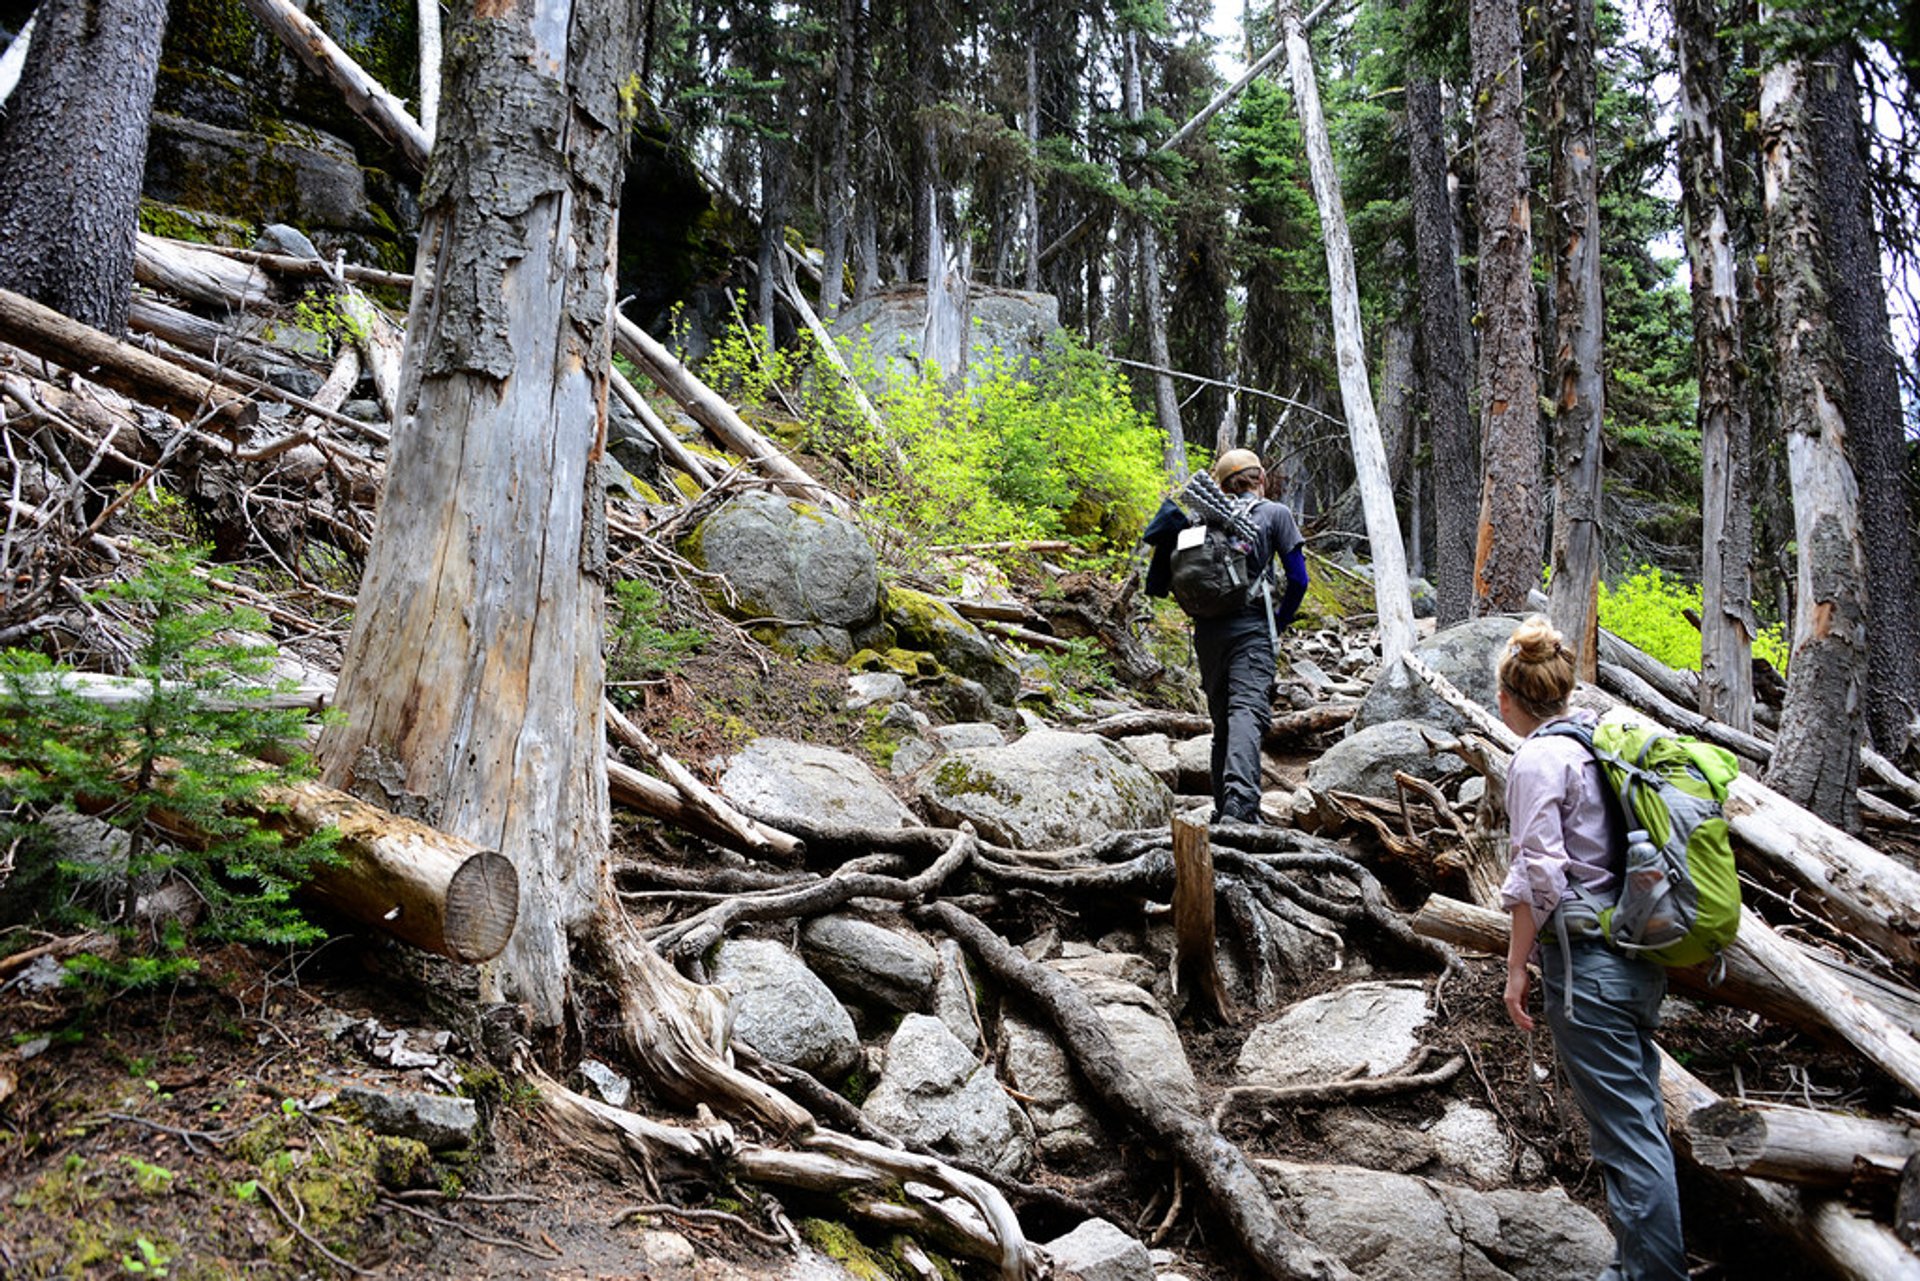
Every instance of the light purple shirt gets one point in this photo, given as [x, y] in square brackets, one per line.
[1558, 818]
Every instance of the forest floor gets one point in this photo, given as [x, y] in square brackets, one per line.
[197, 1131]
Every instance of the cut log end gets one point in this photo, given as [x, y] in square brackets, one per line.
[483, 901]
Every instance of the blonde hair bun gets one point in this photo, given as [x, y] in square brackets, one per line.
[1536, 667]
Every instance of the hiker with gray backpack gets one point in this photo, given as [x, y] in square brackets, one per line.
[1213, 551]
[1620, 864]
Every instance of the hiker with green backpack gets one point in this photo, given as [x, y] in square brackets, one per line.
[1620, 865]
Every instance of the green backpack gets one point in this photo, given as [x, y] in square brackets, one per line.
[1679, 901]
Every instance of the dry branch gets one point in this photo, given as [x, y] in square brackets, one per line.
[717, 416]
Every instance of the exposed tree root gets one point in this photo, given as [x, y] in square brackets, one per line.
[1217, 1165]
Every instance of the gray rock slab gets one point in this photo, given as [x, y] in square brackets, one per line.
[1194, 758]
[1463, 653]
[437, 1120]
[871, 963]
[953, 1002]
[1472, 1141]
[1155, 752]
[776, 778]
[783, 1010]
[1437, 1231]
[935, 1091]
[1048, 790]
[864, 689]
[1066, 1129]
[967, 734]
[1373, 1026]
[1365, 762]
[1099, 1251]
[606, 1084]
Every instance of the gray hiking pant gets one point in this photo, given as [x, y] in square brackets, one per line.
[1607, 1048]
[1236, 671]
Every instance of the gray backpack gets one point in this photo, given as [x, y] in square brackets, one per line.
[1212, 573]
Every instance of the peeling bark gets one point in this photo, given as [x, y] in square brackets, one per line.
[1817, 764]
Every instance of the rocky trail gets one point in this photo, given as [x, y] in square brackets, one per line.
[926, 961]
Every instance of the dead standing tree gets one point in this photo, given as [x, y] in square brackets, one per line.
[1818, 760]
[472, 678]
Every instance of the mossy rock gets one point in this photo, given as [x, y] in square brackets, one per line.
[927, 623]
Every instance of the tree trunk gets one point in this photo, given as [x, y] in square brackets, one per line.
[1166, 402]
[73, 150]
[1876, 432]
[833, 269]
[471, 683]
[1727, 625]
[1506, 561]
[1799, 1145]
[1841, 1243]
[1393, 602]
[1029, 185]
[50, 335]
[1456, 444]
[1818, 761]
[1580, 395]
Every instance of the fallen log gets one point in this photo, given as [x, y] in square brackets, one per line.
[1764, 973]
[755, 837]
[1238, 1195]
[384, 113]
[1841, 1242]
[85, 350]
[712, 412]
[1799, 1145]
[1857, 887]
[198, 274]
[422, 886]
[204, 337]
[670, 446]
[647, 795]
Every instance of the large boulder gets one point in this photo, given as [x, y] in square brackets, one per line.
[1367, 761]
[928, 624]
[890, 324]
[776, 778]
[933, 1090]
[1374, 1027]
[782, 1009]
[1047, 790]
[1463, 653]
[1437, 1231]
[790, 560]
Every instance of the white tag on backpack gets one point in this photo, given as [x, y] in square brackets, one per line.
[1191, 536]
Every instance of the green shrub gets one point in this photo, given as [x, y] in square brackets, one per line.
[1648, 609]
[1050, 448]
[185, 753]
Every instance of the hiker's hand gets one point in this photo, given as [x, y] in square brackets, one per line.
[1516, 998]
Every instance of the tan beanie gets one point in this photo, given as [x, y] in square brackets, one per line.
[1232, 463]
